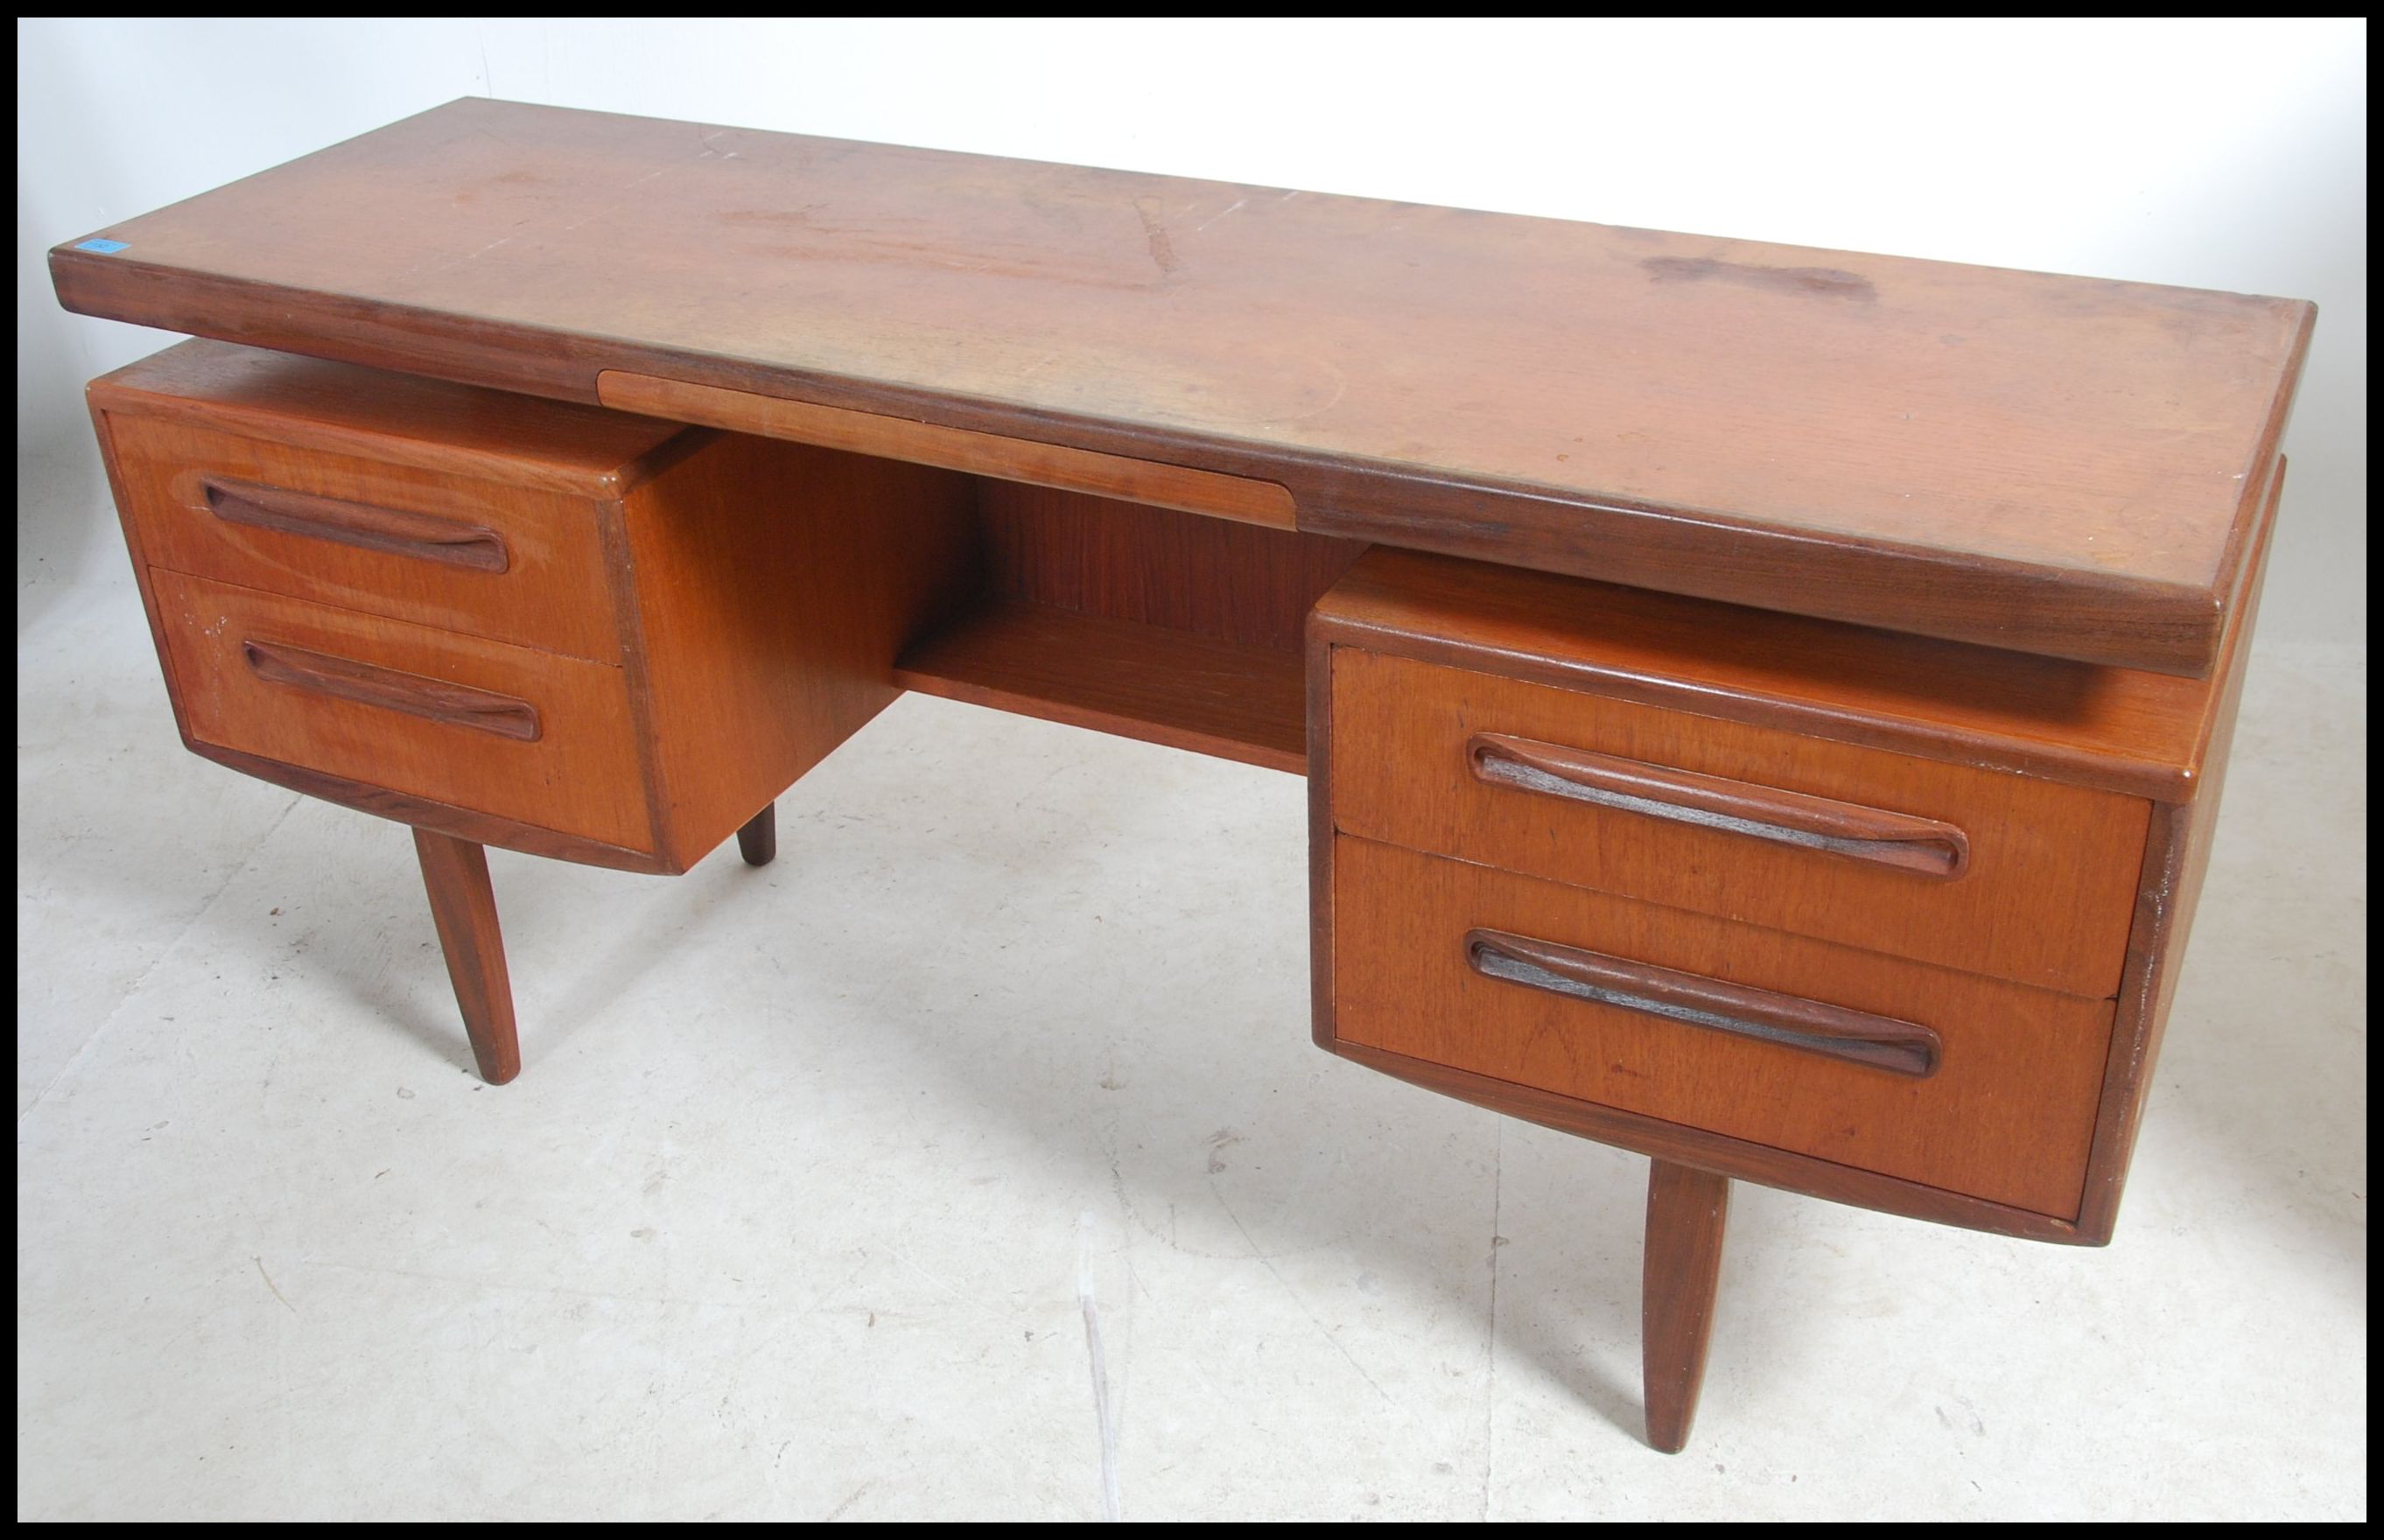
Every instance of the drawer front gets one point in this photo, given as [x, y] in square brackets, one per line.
[1989, 873]
[513, 564]
[1956, 1081]
[532, 736]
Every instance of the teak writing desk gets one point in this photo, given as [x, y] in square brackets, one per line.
[1762, 707]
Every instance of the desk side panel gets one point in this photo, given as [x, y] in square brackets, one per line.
[770, 587]
[2176, 859]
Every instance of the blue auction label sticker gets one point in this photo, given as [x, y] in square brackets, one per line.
[101, 243]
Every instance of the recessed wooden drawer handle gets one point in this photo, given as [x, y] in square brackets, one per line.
[1882, 1042]
[457, 705]
[1898, 839]
[394, 530]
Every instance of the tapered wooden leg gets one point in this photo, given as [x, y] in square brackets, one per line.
[758, 840]
[464, 909]
[1686, 1211]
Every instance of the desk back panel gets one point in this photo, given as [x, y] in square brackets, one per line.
[1155, 566]
[1146, 621]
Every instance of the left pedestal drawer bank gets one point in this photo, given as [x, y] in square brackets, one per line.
[522, 623]
[507, 621]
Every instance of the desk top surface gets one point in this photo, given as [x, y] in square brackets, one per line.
[2055, 465]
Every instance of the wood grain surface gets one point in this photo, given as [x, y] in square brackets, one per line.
[2007, 1116]
[384, 415]
[1899, 841]
[553, 592]
[424, 812]
[1144, 621]
[1687, 1212]
[2132, 731]
[1226, 699]
[397, 531]
[340, 679]
[110, 415]
[2176, 855]
[767, 589]
[1712, 1004]
[464, 908]
[1236, 581]
[1018, 460]
[1754, 1162]
[2114, 729]
[2055, 464]
[579, 776]
[1402, 773]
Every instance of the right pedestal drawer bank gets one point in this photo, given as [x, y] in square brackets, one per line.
[1882, 919]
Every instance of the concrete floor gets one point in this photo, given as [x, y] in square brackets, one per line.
[822, 1180]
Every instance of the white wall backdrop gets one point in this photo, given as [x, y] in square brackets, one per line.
[2222, 155]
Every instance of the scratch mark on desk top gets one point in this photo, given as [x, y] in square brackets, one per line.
[1824, 282]
[1154, 231]
[1219, 214]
